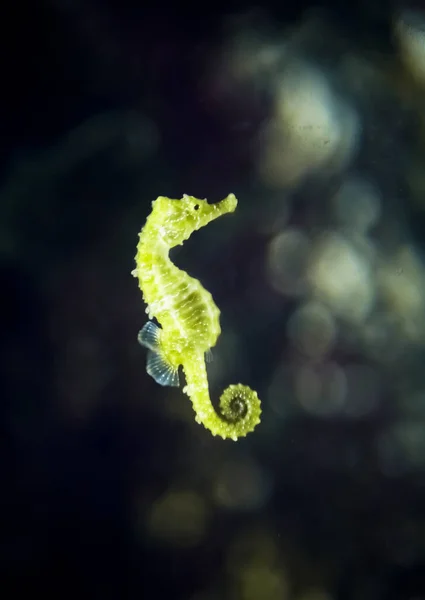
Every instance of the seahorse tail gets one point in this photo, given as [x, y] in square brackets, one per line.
[240, 409]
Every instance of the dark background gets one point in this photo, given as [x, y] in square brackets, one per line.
[104, 106]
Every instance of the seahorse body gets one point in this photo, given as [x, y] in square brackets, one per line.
[189, 317]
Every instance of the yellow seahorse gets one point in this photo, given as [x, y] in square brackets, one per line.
[188, 315]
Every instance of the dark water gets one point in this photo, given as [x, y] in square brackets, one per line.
[109, 487]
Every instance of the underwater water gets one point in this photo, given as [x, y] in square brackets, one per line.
[308, 292]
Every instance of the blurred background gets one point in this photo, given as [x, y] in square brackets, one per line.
[314, 117]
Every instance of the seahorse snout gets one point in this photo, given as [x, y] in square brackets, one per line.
[209, 212]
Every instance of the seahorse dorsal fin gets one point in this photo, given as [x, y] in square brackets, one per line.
[209, 356]
[148, 336]
[161, 370]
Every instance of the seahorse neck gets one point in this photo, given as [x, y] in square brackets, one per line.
[152, 246]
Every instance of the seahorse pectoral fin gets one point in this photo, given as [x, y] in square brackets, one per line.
[209, 356]
[148, 336]
[160, 369]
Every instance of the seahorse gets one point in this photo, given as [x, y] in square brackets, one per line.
[188, 316]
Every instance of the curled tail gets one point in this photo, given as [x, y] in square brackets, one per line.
[239, 408]
[239, 412]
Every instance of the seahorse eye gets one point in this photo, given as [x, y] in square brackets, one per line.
[196, 207]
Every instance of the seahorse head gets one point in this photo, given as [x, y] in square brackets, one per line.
[176, 220]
